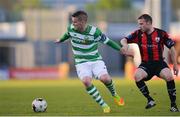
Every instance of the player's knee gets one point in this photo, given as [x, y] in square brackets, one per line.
[168, 77]
[105, 78]
[166, 74]
[138, 77]
[87, 81]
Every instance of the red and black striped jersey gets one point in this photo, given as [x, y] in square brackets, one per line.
[151, 46]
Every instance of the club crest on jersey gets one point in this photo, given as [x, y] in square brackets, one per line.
[86, 38]
[157, 39]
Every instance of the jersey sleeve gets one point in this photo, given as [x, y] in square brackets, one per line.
[133, 37]
[65, 36]
[167, 40]
[100, 37]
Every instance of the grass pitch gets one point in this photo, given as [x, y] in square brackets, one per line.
[69, 98]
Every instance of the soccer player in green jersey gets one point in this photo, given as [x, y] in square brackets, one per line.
[84, 39]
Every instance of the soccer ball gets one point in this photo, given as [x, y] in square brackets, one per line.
[39, 105]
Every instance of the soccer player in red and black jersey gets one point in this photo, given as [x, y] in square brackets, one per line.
[151, 43]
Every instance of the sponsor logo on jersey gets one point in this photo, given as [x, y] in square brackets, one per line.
[157, 39]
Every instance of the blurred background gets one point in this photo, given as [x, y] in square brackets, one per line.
[29, 27]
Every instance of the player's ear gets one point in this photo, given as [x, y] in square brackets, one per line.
[148, 22]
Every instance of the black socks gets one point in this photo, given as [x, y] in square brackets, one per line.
[144, 89]
[171, 91]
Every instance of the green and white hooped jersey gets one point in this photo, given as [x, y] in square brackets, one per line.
[85, 44]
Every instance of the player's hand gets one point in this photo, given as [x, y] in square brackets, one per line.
[126, 51]
[176, 70]
[57, 41]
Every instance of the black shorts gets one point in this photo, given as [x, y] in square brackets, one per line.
[153, 68]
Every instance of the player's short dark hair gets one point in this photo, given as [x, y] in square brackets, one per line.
[147, 18]
[81, 15]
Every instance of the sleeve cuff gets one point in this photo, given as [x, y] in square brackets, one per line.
[107, 39]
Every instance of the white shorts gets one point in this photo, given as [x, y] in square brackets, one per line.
[91, 69]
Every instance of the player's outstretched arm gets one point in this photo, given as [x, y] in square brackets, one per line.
[118, 47]
[104, 39]
[173, 58]
[63, 38]
[57, 41]
[114, 45]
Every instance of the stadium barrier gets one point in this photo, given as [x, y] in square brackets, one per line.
[130, 70]
[59, 72]
[4, 74]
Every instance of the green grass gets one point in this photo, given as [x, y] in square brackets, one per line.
[69, 98]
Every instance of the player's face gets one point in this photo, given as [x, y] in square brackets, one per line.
[78, 24]
[144, 25]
